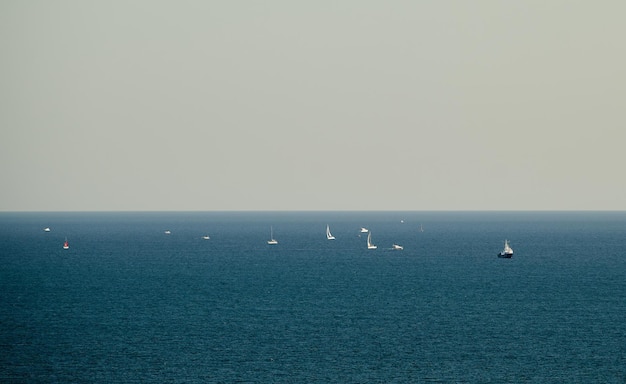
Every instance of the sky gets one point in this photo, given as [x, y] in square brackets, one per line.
[314, 105]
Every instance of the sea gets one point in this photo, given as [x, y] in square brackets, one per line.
[128, 303]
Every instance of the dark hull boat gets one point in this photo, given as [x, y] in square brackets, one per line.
[507, 252]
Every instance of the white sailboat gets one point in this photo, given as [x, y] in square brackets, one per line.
[507, 252]
[329, 235]
[272, 240]
[369, 241]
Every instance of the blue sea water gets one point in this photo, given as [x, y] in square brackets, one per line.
[129, 304]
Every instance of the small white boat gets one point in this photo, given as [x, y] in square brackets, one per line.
[421, 228]
[66, 244]
[167, 232]
[369, 241]
[206, 237]
[397, 247]
[272, 240]
[329, 235]
[364, 230]
[46, 229]
[507, 252]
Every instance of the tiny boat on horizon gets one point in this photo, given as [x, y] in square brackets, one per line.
[329, 235]
[46, 229]
[272, 240]
[507, 252]
[370, 245]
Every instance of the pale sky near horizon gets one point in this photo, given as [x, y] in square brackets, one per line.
[317, 105]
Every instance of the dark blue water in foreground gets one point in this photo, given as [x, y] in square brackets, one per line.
[127, 303]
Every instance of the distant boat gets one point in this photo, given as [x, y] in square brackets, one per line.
[66, 245]
[421, 228]
[206, 237]
[369, 241]
[397, 247]
[46, 229]
[507, 252]
[329, 235]
[167, 232]
[364, 230]
[272, 240]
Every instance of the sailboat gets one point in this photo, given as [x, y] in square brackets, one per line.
[66, 245]
[329, 235]
[507, 252]
[369, 241]
[421, 228]
[272, 240]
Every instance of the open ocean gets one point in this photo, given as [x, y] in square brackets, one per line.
[127, 303]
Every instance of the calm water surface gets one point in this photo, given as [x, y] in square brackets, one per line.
[128, 303]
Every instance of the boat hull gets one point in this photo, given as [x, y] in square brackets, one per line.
[505, 255]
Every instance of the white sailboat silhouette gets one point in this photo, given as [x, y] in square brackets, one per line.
[272, 240]
[507, 252]
[369, 241]
[329, 235]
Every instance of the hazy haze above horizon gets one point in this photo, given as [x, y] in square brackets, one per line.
[322, 105]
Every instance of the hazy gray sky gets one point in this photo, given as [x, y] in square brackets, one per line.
[333, 105]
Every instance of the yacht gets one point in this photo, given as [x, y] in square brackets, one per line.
[329, 235]
[369, 241]
[507, 252]
[272, 240]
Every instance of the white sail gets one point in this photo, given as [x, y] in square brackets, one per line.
[507, 251]
[329, 236]
[507, 247]
[272, 240]
[369, 241]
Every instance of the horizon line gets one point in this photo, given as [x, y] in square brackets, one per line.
[309, 210]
